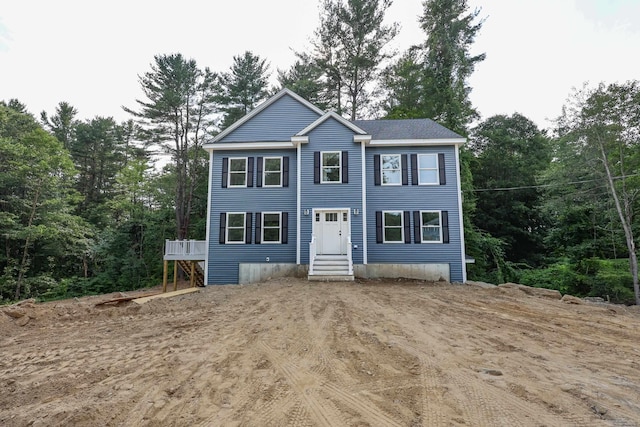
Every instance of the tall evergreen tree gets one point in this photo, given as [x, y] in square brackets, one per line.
[178, 116]
[349, 48]
[243, 87]
[305, 78]
[62, 123]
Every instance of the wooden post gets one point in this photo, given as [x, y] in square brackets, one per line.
[175, 275]
[193, 274]
[164, 276]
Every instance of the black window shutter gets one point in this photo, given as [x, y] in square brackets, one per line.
[417, 232]
[247, 230]
[376, 170]
[378, 227]
[443, 175]
[405, 172]
[414, 170]
[316, 167]
[345, 167]
[407, 226]
[258, 228]
[223, 228]
[259, 172]
[285, 171]
[225, 171]
[445, 226]
[250, 172]
[284, 239]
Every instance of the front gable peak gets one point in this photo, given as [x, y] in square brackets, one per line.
[335, 116]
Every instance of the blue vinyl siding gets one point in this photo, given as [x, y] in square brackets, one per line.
[331, 136]
[415, 198]
[279, 122]
[224, 258]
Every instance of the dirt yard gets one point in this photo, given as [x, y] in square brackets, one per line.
[293, 353]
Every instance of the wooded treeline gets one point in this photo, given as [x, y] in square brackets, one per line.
[85, 206]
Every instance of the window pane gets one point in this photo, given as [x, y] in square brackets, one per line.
[330, 159]
[331, 174]
[236, 235]
[271, 234]
[235, 220]
[271, 220]
[331, 217]
[393, 234]
[271, 178]
[427, 161]
[390, 162]
[237, 178]
[391, 177]
[272, 165]
[237, 165]
[431, 218]
[430, 234]
[392, 219]
[428, 177]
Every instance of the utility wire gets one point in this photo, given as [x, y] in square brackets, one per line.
[528, 187]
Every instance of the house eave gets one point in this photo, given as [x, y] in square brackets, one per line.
[272, 145]
[335, 116]
[414, 142]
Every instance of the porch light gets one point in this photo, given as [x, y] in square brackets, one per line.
[306, 211]
[356, 211]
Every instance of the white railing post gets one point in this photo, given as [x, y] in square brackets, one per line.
[350, 254]
[312, 253]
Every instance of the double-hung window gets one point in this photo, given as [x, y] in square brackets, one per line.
[428, 173]
[331, 166]
[392, 225]
[431, 226]
[391, 166]
[235, 230]
[271, 227]
[272, 175]
[238, 172]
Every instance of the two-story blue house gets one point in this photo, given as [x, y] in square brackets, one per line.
[294, 189]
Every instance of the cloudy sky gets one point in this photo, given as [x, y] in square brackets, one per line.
[90, 53]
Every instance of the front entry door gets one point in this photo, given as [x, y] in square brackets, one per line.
[333, 229]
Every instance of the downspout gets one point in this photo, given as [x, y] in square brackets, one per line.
[364, 203]
[461, 225]
[298, 202]
[208, 235]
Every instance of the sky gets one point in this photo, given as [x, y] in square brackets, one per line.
[90, 53]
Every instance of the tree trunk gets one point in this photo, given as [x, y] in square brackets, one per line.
[25, 251]
[626, 225]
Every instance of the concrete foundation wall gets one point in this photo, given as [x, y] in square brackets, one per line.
[254, 272]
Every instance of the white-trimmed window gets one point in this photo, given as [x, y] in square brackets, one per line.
[331, 166]
[393, 226]
[272, 174]
[428, 173]
[431, 226]
[238, 172]
[271, 227]
[235, 227]
[391, 166]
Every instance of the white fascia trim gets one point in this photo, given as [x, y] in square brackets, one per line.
[463, 255]
[248, 145]
[364, 204]
[333, 115]
[361, 138]
[263, 106]
[414, 142]
[297, 140]
[206, 263]
[298, 201]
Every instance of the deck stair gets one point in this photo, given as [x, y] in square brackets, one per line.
[198, 276]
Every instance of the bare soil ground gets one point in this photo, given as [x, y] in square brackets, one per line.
[293, 353]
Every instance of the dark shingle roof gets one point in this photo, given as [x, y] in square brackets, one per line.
[405, 129]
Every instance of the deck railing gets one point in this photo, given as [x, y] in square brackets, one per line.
[185, 249]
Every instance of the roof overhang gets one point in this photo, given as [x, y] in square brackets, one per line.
[274, 145]
[414, 142]
[335, 116]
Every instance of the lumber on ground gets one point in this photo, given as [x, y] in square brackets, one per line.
[165, 295]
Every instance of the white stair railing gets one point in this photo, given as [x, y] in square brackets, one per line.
[350, 254]
[312, 253]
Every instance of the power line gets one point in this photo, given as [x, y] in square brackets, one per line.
[529, 187]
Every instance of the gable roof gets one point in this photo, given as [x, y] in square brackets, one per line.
[406, 129]
[264, 106]
[335, 116]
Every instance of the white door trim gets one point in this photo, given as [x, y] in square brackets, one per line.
[345, 233]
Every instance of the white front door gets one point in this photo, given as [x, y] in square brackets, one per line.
[332, 228]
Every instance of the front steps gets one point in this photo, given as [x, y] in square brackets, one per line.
[331, 268]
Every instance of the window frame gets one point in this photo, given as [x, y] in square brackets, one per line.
[227, 227]
[423, 226]
[265, 171]
[263, 227]
[437, 169]
[384, 227]
[339, 167]
[230, 172]
[399, 170]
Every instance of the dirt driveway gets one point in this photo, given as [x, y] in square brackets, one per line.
[294, 353]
